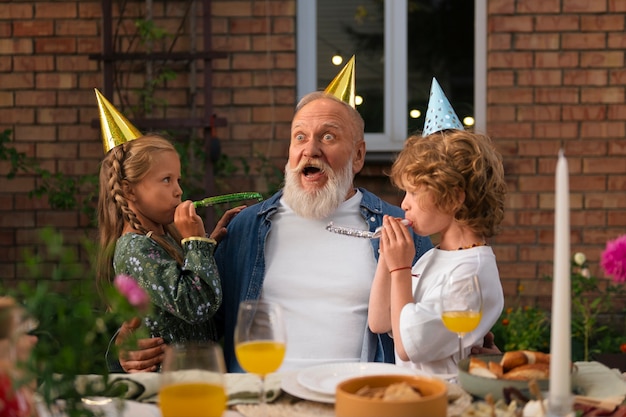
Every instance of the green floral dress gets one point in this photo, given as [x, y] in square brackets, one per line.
[185, 298]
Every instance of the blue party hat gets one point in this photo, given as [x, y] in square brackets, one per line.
[440, 115]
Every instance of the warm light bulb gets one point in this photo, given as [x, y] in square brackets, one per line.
[415, 114]
[358, 100]
[468, 121]
[337, 59]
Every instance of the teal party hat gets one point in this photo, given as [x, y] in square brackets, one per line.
[440, 115]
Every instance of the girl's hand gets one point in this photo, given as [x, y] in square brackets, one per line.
[220, 228]
[187, 221]
[396, 243]
[146, 356]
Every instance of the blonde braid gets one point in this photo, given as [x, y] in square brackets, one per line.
[117, 192]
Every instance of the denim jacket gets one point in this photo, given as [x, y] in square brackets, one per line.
[240, 258]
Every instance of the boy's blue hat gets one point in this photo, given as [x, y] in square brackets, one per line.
[440, 115]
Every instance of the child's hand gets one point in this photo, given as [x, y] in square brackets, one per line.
[187, 221]
[396, 243]
[146, 356]
[220, 228]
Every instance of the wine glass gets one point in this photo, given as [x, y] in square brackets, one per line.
[260, 339]
[192, 381]
[461, 305]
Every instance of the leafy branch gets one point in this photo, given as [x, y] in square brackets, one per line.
[64, 192]
[72, 325]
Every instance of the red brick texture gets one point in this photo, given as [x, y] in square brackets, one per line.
[555, 79]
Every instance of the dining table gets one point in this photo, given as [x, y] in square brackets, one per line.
[287, 397]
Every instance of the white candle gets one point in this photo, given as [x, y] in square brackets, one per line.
[560, 398]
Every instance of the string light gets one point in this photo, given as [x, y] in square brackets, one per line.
[414, 113]
[336, 59]
[358, 100]
[468, 121]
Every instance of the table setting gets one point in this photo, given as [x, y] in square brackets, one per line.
[310, 391]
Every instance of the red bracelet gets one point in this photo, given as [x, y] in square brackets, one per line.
[399, 269]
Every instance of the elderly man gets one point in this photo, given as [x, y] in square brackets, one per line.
[279, 250]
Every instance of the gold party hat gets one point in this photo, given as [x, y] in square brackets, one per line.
[116, 129]
[342, 86]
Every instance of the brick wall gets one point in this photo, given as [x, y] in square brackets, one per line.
[556, 79]
[46, 99]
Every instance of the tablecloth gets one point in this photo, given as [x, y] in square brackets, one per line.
[592, 379]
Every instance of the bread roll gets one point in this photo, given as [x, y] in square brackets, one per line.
[479, 367]
[528, 372]
[517, 358]
[513, 359]
[484, 372]
[537, 357]
[476, 363]
[496, 369]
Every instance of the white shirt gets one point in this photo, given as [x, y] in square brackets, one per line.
[322, 280]
[428, 343]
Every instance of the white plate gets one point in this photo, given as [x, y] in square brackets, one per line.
[290, 385]
[324, 379]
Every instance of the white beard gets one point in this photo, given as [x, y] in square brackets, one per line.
[320, 203]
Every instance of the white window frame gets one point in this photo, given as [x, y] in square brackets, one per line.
[395, 107]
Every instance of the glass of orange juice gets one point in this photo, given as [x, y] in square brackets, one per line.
[260, 339]
[461, 305]
[192, 381]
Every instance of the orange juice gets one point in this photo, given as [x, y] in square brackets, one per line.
[260, 356]
[193, 399]
[461, 321]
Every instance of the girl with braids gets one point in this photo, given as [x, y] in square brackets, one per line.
[146, 232]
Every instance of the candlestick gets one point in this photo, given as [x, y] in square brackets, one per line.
[560, 395]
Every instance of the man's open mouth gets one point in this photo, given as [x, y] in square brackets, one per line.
[309, 170]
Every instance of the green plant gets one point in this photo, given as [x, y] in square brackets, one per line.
[612, 342]
[522, 327]
[596, 326]
[590, 302]
[74, 327]
[64, 192]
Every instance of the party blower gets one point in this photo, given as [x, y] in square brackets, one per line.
[227, 198]
[351, 231]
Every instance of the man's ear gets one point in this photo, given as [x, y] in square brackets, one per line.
[359, 157]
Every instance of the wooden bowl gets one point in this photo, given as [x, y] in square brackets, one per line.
[433, 403]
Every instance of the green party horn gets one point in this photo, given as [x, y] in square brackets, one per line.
[227, 198]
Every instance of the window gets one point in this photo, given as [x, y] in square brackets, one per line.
[443, 38]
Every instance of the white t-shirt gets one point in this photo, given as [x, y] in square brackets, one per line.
[322, 280]
[428, 343]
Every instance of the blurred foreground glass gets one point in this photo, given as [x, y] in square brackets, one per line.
[192, 381]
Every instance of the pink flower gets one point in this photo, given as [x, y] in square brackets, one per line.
[128, 287]
[614, 259]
